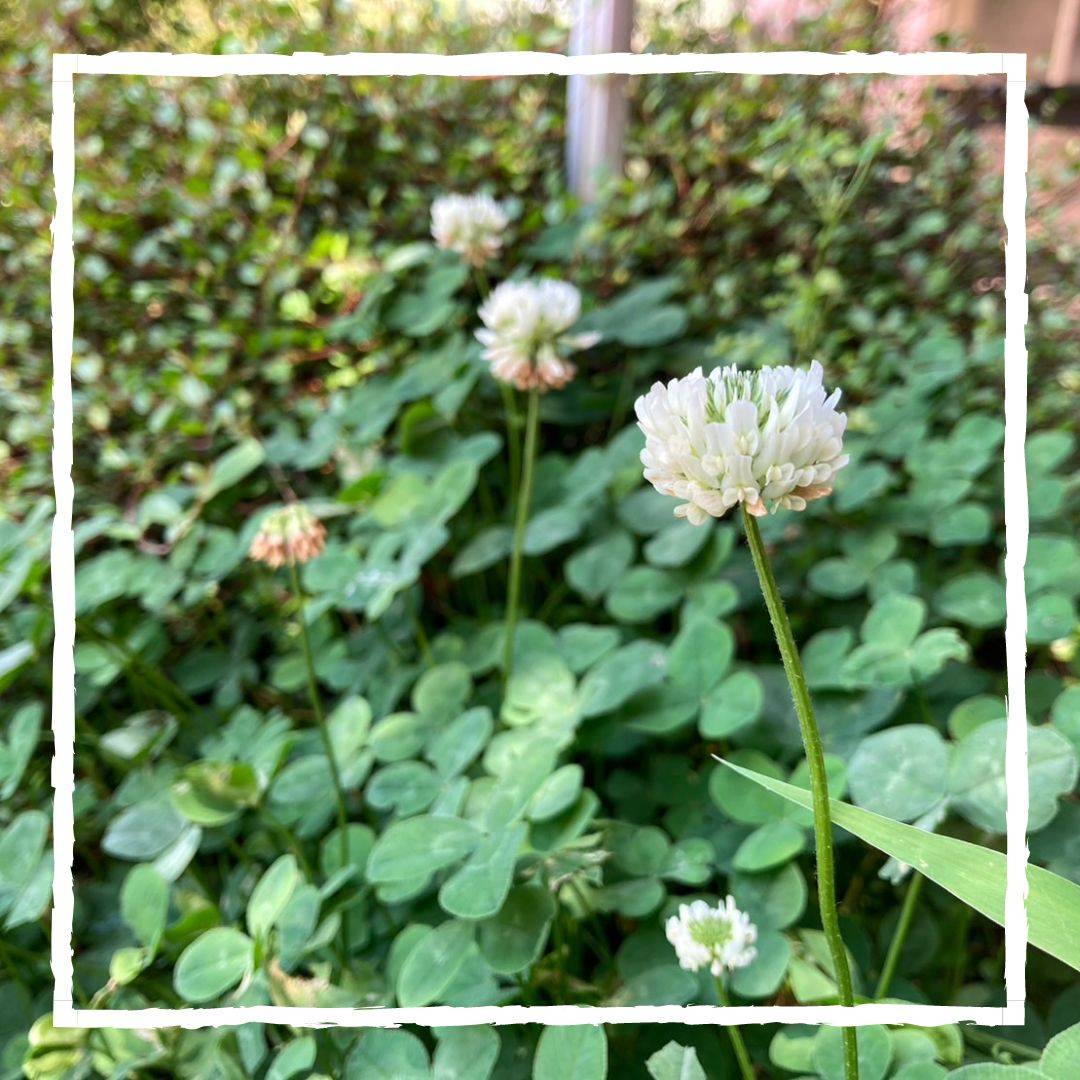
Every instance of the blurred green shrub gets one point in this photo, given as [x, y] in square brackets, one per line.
[259, 311]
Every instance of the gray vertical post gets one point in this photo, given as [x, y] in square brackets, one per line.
[1063, 43]
[596, 105]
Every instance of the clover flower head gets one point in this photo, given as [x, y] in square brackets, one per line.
[524, 334]
[290, 534]
[471, 225]
[770, 439]
[719, 938]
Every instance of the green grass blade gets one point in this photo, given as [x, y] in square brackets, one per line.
[970, 872]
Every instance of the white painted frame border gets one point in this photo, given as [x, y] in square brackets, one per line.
[1011, 65]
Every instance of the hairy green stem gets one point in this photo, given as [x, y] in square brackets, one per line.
[513, 443]
[513, 587]
[324, 733]
[742, 1055]
[903, 925]
[819, 783]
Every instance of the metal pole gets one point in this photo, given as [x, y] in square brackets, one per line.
[1063, 43]
[596, 105]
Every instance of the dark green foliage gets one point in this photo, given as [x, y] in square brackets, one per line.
[260, 314]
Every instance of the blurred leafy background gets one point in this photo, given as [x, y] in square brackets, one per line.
[260, 313]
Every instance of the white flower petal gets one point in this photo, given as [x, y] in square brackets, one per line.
[524, 335]
[719, 938]
[471, 225]
[768, 439]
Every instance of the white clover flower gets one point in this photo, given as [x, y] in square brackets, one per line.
[719, 938]
[471, 225]
[524, 335]
[894, 870]
[769, 439]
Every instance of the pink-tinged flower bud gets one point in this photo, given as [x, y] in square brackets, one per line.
[291, 534]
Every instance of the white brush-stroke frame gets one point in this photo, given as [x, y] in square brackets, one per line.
[1011, 65]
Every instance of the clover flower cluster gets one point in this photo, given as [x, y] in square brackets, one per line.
[290, 534]
[471, 225]
[768, 439]
[719, 938]
[524, 334]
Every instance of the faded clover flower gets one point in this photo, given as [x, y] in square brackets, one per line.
[471, 225]
[894, 870]
[290, 534]
[769, 439]
[524, 334]
[719, 938]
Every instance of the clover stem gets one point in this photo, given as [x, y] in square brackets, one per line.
[819, 784]
[599, 940]
[990, 1043]
[513, 444]
[513, 587]
[961, 953]
[421, 635]
[746, 1066]
[324, 733]
[903, 925]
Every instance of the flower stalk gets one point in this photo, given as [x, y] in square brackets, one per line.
[720, 939]
[903, 926]
[513, 437]
[324, 730]
[526, 344]
[819, 784]
[742, 1055]
[524, 497]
